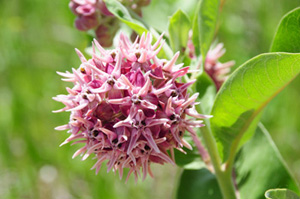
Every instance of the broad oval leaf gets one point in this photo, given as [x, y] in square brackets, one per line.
[247, 91]
[117, 9]
[287, 35]
[259, 167]
[198, 184]
[179, 27]
[281, 194]
[207, 20]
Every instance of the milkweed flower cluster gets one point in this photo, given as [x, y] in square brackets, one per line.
[128, 107]
[217, 71]
[94, 15]
[214, 68]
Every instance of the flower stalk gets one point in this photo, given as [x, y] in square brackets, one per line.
[224, 177]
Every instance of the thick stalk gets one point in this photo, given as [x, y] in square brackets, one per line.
[223, 177]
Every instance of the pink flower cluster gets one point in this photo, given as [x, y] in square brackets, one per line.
[217, 71]
[214, 68]
[93, 14]
[128, 107]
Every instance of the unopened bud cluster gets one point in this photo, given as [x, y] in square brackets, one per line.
[217, 71]
[94, 15]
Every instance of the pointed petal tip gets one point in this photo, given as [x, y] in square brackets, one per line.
[61, 128]
[65, 142]
[85, 157]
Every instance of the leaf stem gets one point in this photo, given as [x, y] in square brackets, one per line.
[222, 5]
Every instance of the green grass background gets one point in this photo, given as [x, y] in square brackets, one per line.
[37, 39]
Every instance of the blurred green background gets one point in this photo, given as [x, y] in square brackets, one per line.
[37, 39]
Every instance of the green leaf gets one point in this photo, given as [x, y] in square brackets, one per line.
[259, 167]
[287, 37]
[190, 160]
[198, 184]
[281, 194]
[179, 26]
[117, 9]
[207, 19]
[202, 83]
[195, 28]
[244, 95]
[207, 92]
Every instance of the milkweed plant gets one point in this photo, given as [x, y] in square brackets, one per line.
[141, 97]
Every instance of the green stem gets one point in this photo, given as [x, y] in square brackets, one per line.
[227, 186]
[212, 148]
[224, 178]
